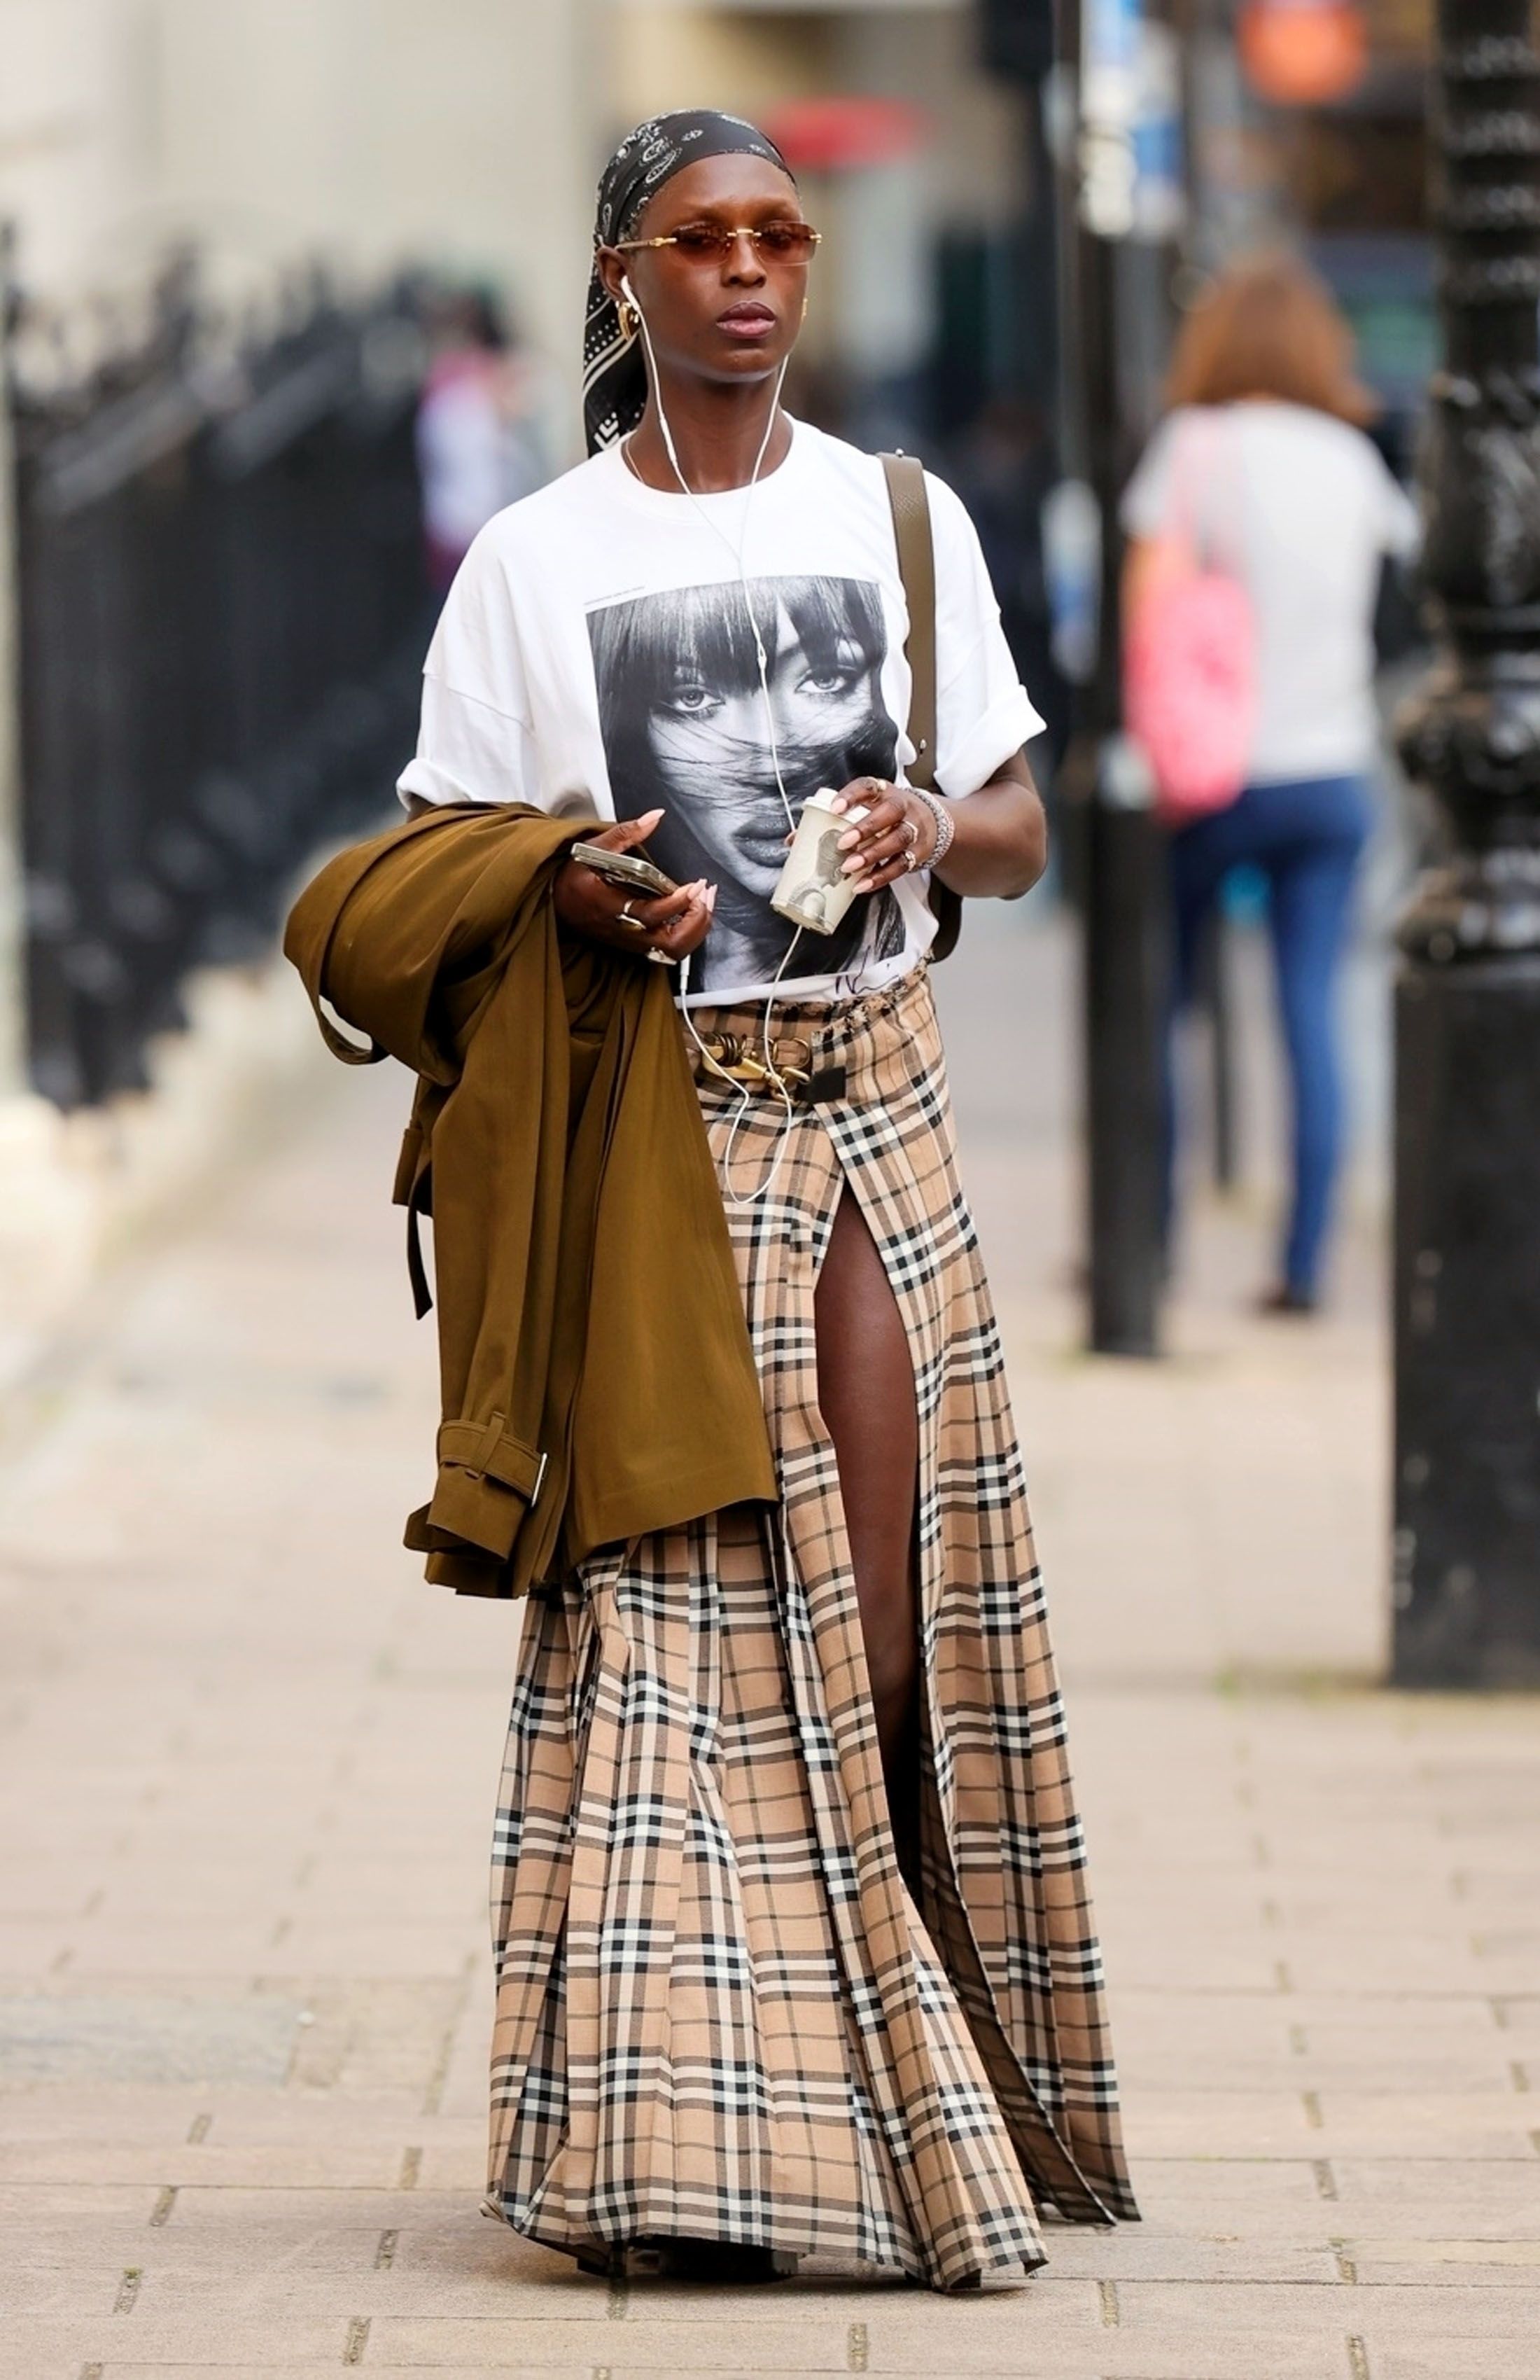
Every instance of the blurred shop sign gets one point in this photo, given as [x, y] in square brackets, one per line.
[1303, 53]
[1130, 176]
[1108, 99]
[1159, 188]
[845, 129]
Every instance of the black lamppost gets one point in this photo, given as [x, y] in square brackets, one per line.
[1467, 1289]
[1121, 879]
[1109, 288]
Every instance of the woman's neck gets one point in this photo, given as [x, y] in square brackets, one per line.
[718, 434]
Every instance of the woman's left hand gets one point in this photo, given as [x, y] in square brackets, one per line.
[897, 834]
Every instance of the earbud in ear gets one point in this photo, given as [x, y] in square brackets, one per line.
[625, 288]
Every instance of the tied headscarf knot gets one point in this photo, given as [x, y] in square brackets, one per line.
[614, 369]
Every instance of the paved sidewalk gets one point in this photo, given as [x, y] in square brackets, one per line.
[1222, 1514]
[246, 1768]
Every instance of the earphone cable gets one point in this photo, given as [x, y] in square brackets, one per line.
[739, 553]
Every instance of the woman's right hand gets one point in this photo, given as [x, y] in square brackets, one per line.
[676, 925]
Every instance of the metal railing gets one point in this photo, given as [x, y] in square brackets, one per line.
[222, 617]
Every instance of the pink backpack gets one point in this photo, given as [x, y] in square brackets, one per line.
[1190, 647]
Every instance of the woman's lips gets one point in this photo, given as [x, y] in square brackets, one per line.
[746, 323]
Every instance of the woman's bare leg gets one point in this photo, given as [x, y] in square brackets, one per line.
[867, 1395]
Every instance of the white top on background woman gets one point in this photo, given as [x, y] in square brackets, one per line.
[1307, 511]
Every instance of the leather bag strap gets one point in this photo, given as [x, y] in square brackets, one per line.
[917, 569]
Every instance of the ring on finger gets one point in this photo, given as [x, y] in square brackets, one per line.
[911, 859]
[911, 833]
[634, 925]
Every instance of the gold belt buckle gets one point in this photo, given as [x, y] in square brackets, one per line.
[797, 1067]
[790, 1065]
[725, 1057]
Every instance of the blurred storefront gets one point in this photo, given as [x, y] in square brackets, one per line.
[368, 135]
[222, 219]
[911, 154]
[263, 141]
[365, 133]
[1309, 123]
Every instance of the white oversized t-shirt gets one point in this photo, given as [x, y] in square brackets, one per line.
[1301, 507]
[595, 656]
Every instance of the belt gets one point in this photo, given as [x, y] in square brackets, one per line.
[734, 1058]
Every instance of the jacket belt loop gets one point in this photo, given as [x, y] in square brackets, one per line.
[485, 1457]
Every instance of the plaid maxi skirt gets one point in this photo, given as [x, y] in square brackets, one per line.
[720, 2015]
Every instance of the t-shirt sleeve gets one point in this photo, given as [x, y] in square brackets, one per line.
[982, 712]
[475, 743]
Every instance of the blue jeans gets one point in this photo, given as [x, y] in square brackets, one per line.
[1306, 839]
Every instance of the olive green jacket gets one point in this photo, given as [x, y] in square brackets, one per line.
[594, 1360]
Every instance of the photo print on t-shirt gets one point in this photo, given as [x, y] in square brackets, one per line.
[682, 713]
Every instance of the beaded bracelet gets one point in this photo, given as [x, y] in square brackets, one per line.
[946, 825]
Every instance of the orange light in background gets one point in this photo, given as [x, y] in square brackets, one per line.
[1302, 53]
[821, 135]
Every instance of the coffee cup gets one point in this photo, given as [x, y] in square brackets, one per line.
[813, 890]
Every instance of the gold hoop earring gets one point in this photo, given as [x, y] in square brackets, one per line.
[630, 321]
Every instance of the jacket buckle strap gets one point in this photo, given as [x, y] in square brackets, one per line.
[491, 1452]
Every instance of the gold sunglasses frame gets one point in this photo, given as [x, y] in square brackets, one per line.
[723, 243]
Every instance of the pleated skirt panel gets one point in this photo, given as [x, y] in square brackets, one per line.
[720, 2013]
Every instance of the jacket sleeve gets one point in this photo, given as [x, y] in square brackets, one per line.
[387, 924]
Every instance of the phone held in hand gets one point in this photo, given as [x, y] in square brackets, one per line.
[623, 872]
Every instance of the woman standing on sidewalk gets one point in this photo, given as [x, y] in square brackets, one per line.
[795, 1954]
[1262, 457]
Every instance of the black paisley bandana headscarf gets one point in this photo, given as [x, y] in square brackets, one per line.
[614, 368]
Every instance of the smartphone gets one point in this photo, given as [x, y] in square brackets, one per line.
[623, 872]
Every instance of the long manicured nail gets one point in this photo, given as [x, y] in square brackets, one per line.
[850, 838]
[711, 897]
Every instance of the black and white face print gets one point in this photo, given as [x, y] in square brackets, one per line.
[683, 716]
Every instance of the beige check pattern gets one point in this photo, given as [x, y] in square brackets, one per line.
[718, 2013]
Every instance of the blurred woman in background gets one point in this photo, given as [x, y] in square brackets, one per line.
[1263, 451]
[478, 438]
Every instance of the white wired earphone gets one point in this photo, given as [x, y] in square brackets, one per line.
[762, 659]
